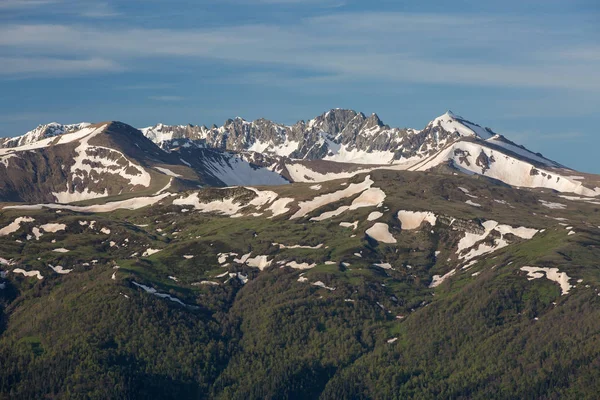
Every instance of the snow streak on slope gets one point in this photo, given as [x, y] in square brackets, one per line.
[42, 132]
[92, 161]
[380, 232]
[130, 204]
[413, 219]
[471, 239]
[319, 201]
[301, 173]
[476, 158]
[372, 197]
[552, 274]
[66, 138]
[344, 154]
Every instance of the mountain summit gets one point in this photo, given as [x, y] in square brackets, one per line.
[83, 161]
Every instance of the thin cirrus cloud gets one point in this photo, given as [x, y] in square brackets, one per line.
[166, 98]
[86, 9]
[27, 66]
[395, 47]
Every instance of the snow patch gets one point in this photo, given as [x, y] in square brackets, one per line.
[15, 225]
[380, 232]
[35, 273]
[552, 274]
[413, 219]
[439, 279]
[322, 200]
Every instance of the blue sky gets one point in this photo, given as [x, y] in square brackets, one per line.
[528, 69]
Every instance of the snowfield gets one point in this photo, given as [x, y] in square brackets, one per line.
[552, 274]
[35, 273]
[372, 197]
[324, 199]
[380, 232]
[15, 225]
[471, 239]
[130, 204]
[413, 219]
[439, 279]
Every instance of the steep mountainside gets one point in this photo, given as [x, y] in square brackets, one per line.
[42, 132]
[335, 145]
[350, 139]
[387, 284]
[112, 159]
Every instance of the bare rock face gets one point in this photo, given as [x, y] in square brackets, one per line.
[319, 138]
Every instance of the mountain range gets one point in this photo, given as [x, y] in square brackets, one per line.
[86, 161]
[338, 258]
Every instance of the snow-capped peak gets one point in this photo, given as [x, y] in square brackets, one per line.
[42, 132]
[453, 123]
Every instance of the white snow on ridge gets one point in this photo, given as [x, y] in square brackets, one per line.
[85, 194]
[505, 168]
[168, 172]
[225, 206]
[453, 123]
[322, 285]
[300, 173]
[374, 216]
[328, 198]
[35, 273]
[129, 204]
[15, 225]
[413, 219]
[552, 274]
[284, 149]
[438, 279]
[53, 227]
[280, 206]
[297, 246]
[154, 292]
[230, 206]
[554, 206]
[342, 154]
[372, 197]
[65, 138]
[60, 270]
[295, 265]
[352, 225]
[87, 161]
[384, 265]
[471, 239]
[149, 251]
[380, 232]
[260, 262]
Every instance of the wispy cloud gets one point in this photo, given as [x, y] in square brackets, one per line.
[86, 9]
[166, 98]
[98, 10]
[28, 66]
[145, 86]
[393, 47]
[19, 4]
